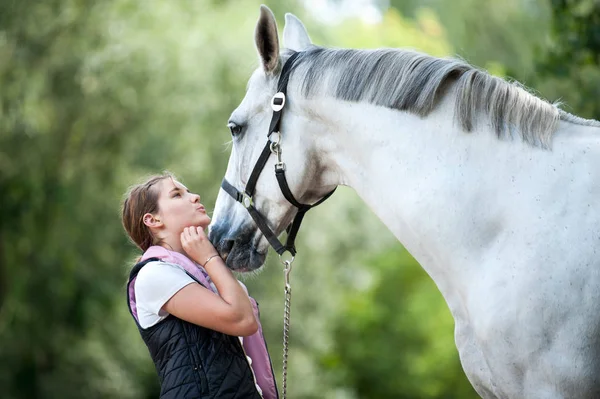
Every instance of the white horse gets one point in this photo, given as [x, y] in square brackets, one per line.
[495, 192]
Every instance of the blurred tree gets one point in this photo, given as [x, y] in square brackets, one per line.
[576, 31]
[489, 34]
[394, 337]
[94, 95]
[569, 71]
[56, 145]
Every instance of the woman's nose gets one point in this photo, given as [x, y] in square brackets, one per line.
[195, 198]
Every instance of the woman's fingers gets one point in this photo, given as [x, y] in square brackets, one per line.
[196, 243]
[193, 234]
[184, 238]
[186, 235]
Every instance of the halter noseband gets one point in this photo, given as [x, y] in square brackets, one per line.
[273, 147]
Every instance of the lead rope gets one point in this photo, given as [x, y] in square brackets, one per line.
[286, 320]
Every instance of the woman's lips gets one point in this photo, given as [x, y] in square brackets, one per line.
[201, 209]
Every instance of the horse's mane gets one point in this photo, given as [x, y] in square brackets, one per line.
[415, 82]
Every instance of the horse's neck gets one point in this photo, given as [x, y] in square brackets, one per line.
[465, 205]
[448, 195]
[421, 176]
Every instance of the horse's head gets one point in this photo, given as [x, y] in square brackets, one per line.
[233, 232]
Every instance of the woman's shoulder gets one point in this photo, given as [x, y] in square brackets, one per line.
[158, 276]
[156, 283]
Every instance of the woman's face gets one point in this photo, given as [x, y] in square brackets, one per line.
[178, 208]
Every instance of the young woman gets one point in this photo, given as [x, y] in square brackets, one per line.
[198, 322]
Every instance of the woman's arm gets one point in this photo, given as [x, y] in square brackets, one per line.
[231, 312]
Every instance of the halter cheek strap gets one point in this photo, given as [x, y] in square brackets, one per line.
[273, 147]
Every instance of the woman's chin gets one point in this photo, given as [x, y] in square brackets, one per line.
[203, 221]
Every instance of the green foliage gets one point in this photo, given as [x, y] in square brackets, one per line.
[394, 339]
[424, 33]
[570, 70]
[490, 32]
[56, 145]
[576, 31]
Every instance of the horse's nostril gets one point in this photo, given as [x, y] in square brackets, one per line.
[227, 245]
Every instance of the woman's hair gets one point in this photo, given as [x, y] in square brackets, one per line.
[141, 199]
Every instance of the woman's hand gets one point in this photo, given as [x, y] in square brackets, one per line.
[196, 244]
[230, 311]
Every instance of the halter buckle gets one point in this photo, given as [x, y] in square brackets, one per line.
[247, 201]
[278, 101]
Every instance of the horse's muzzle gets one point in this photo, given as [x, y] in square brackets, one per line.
[237, 248]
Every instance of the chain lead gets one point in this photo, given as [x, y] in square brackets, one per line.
[286, 323]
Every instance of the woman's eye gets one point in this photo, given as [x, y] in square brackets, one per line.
[176, 195]
[234, 128]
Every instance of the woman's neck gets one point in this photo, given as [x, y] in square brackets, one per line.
[172, 245]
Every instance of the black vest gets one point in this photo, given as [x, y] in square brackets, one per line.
[195, 362]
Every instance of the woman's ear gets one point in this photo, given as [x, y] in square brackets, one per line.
[151, 221]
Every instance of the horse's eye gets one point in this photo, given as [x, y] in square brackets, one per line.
[234, 128]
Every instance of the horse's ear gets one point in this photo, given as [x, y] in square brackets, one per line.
[267, 40]
[295, 36]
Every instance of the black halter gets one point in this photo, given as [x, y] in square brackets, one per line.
[273, 147]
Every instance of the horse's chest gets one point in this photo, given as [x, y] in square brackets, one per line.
[547, 352]
[475, 361]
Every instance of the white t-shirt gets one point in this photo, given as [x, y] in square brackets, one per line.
[156, 283]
